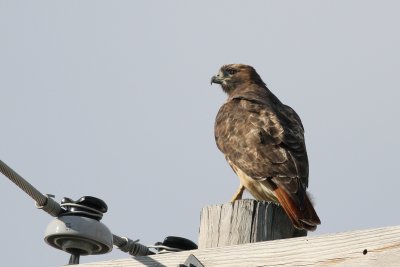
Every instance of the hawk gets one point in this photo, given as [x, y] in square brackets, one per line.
[263, 141]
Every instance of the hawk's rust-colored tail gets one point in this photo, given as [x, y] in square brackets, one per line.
[302, 218]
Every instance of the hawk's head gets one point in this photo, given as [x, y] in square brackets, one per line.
[232, 76]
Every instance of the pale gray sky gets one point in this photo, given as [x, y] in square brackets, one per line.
[112, 99]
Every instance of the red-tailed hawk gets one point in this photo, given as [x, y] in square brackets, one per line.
[263, 142]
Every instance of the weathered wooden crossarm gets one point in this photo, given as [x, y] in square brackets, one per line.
[372, 247]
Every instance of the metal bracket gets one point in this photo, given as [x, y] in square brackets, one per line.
[191, 261]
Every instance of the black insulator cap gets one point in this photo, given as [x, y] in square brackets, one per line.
[179, 242]
[87, 206]
[93, 202]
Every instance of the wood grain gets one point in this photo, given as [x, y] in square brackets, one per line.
[366, 248]
[244, 221]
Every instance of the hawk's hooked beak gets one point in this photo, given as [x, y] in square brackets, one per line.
[216, 79]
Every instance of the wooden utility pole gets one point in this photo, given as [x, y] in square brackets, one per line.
[244, 221]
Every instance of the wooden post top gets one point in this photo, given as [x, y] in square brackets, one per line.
[244, 221]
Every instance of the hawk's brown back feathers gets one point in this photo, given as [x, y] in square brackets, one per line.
[263, 141]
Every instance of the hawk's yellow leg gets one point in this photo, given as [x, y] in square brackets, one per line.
[239, 193]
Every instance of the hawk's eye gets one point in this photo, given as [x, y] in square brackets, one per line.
[231, 71]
